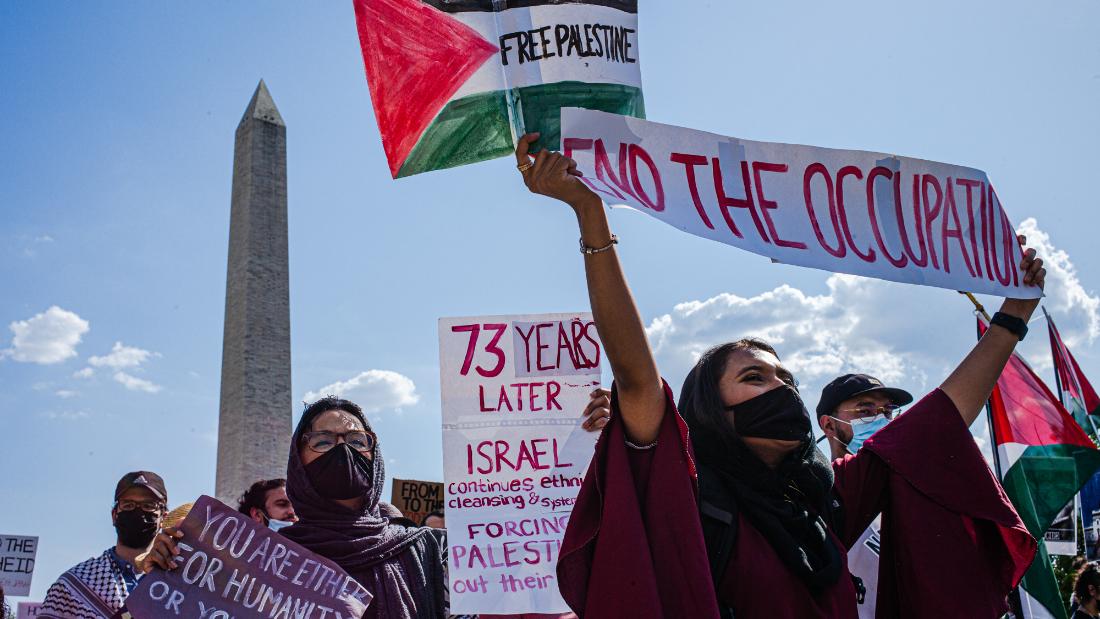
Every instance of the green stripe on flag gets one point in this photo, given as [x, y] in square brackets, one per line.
[1044, 480]
[475, 128]
[1040, 484]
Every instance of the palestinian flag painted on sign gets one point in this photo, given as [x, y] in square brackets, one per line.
[1044, 458]
[455, 81]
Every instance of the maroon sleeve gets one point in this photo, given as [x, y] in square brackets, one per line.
[861, 485]
[634, 543]
[952, 544]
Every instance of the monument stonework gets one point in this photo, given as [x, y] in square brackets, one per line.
[254, 422]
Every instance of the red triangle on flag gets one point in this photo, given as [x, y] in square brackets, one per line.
[416, 58]
[1026, 412]
[1069, 373]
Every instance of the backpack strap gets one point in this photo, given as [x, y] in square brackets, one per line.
[719, 516]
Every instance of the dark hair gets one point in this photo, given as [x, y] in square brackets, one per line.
[1089, 575]
[700, 393]
[329, 403]
[256, 495]
[404, 522]
[435, 512]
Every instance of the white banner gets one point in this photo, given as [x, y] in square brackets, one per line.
[883, 216]
[514, 453]
[17, 554]
[28, 610]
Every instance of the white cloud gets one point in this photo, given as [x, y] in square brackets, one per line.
[134, 383]
[859, 325]
[374, 390]
[47, 338]
[1074, 310]
[65, 394]
[85, 373]
[121, 357]
[45, 238]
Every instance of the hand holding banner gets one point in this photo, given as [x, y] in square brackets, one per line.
[894, 218]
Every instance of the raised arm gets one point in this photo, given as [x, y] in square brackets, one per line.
[971, 383]
[641, 394]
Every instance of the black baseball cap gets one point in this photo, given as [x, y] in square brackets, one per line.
[144, 479]
[852, 385]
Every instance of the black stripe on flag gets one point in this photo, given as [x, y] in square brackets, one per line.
[469, 6]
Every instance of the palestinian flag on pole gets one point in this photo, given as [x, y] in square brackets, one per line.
[456, 81]
[1077, 393]
[1043, 457]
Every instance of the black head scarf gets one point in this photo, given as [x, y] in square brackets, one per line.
[401, 567]
[785, 504]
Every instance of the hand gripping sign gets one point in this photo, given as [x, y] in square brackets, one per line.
[514, 453]
[230, 566]
[454, 81]
[895, 218]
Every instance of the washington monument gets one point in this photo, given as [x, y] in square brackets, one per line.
[255, 414]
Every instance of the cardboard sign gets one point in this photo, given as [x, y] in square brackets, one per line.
[416, 499]
[514, 453]
[229, 566]
[454, 81]
[27, 610]
[17, 554]
[883, 216]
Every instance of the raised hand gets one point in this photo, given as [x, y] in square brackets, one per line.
[552, 174]
[1034, 275]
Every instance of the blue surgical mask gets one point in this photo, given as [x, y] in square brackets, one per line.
[863, 429]
[275, 525]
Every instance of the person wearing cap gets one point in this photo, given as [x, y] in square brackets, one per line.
[97, 588]
[855, 406]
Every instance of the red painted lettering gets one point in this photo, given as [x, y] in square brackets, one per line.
[689, 162]
[766, 204]
[807, 191]
[636, 153]
[947, 231]
[725, 202]
[850, 170]
[876, 172]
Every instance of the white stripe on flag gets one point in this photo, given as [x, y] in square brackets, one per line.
[1008, 454]
[1031, 607]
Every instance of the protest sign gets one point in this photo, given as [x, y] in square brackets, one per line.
[17, 554]
[416, 499]
[1061, 537]
[514, 453]
[454, 81]
[895, 218]
[229, 566]
[28, 610]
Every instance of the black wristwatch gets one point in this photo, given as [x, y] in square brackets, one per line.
[1016, 325]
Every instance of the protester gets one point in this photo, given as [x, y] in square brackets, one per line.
[434, 519]
[266, 503]
[97, 588]
[5, 611]
[765, 534]
[1086, 590]
[855, 406]
[335, 476]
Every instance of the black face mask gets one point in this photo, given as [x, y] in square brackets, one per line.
[136, 528]
[778, 414]
[341, 473]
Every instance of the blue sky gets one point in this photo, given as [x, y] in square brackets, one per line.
[115, 170]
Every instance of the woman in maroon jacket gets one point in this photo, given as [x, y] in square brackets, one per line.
[952, 545]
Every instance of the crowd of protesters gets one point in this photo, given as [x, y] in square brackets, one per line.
[718, 498]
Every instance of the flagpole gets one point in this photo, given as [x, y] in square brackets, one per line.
[978, 308]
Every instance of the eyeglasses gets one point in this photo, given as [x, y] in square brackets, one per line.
[323, 440]
[888, 410]
[126, 505]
